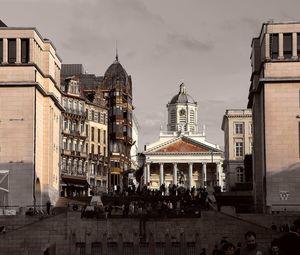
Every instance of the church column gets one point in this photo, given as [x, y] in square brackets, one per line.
[145, 174]
[175, 173]
[18, 51]
[161, 173]
[5, 51]
[204, 175]
[148, 174]
[190, 175]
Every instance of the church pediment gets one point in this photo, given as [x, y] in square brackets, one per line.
[183, 146]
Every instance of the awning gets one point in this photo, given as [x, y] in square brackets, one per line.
[76, 181]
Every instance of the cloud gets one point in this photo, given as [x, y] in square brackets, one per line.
[189, 43]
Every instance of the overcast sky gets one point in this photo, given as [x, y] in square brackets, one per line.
[205, 43]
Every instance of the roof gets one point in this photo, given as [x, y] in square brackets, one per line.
[182, 97]
[182, 144]
[116, 72]
[2, 24]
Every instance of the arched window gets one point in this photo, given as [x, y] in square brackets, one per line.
[240, 174]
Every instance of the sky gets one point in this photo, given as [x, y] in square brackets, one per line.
[204, 43]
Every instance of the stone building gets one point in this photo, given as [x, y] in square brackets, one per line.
[30, 115]
[116, 87]
[237, 127]
[83, 165]
[182, 156]
[274, 100]
[96, 112]
[74, 141]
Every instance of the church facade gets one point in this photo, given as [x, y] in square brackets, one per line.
[182, 156]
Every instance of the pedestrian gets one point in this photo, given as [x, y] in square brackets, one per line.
[203, 252]
[252, 248]
[48, 206]
[289, 243]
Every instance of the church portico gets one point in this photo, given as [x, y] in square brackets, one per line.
[182, 156]
[187, 174]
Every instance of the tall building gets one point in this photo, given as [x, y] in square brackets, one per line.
[83, 164]
[74, 141]
[237, 127]
[182, 156]
[97, 127]
[274, 100]
[116, 88]
[30, 115]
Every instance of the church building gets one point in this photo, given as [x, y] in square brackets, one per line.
[182, 156]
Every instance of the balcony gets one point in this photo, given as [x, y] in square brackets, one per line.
[66, 152]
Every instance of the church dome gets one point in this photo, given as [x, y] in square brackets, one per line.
[182, 97]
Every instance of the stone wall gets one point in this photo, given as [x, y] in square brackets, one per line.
[67, 233]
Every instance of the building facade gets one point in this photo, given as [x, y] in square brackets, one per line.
[182, 156]
[30, 117]
[274, 100]
[237, 127]
[116, 88]
[97, 127]
[74, 161]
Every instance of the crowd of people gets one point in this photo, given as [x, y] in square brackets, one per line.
[173, 201]
[287, 244]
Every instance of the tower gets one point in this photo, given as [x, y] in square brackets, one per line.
[117, 88]
[182, 112]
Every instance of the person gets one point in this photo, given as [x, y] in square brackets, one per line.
[203, 252]
[48, 206]
[228, 248]
[274, 250]
[252, 248]
[238, 249]
[289, 243]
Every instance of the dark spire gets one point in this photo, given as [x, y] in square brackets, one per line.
[117, 57]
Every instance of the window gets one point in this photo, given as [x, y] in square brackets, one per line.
[274, 46]
[99, 150]
[287, 45]
[12, 53]
[92, 149]
[81, 127]
[238, 128]
[173, 117]
[104, 136]
[192, 116]
[298, 45]
[92, 134]
[96, 116]
[65, 124]
[87, 130]
[87, 148]
[240, 174]
[239, 149]
[24, 50]
[1, 51]
[98, 135]
[65, 144]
